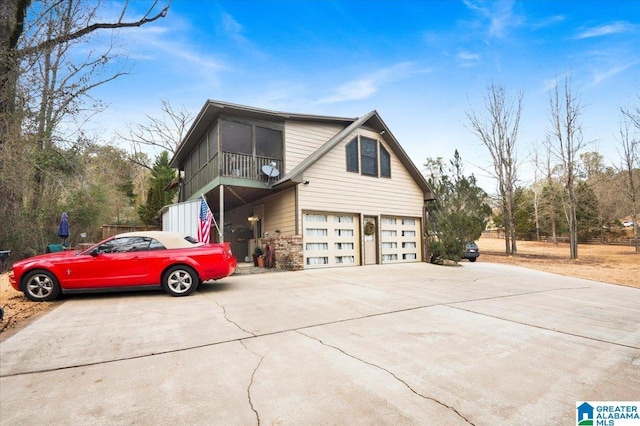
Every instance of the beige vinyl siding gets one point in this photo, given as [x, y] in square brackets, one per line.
[303, 138]
[280, 213]
[332, 187]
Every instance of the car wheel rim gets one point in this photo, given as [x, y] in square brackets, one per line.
[40, 286]
[180, 281]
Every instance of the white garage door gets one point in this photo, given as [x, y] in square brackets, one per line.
[330, 240]
[400, 239]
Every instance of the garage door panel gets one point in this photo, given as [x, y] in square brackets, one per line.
[330, 240]
[400, 239]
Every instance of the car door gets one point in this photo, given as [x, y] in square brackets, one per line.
[120, 262]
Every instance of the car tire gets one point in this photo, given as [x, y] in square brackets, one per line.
[40, 286]
[472, 259]
[180, 280]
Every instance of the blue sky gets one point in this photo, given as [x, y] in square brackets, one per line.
[420, 64]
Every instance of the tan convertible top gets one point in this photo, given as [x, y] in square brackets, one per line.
[170, 240]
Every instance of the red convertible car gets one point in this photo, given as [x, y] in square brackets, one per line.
[134, 260]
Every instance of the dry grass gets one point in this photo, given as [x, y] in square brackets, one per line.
[606, 263]
[17, 308]
[611, 264]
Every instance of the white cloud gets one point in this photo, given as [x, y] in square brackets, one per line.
[599, 77]
[499, 14]
[467, 59]
[603, 30]
[367, 85]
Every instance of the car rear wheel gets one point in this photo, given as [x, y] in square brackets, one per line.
[180, 280]
[472, 259]
[40, 286]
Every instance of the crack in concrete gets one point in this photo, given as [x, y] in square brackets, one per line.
[253, 408]
[345, 320]
[224, 313]
[407, 385]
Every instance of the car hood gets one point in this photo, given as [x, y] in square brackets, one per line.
[46, 257]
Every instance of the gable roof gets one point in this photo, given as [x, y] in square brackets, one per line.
[212, 110]
[371, 120]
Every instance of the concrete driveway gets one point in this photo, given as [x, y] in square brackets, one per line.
[481, 344]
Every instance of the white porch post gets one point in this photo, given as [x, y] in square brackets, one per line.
[221, 230]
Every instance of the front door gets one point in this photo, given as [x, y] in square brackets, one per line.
[370, 231]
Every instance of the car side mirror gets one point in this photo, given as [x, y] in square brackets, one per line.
[94, 252]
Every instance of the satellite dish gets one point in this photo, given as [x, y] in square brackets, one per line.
[270, 171]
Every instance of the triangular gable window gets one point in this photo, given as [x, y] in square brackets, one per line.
[368, 157]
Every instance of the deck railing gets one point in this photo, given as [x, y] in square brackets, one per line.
[246, 166]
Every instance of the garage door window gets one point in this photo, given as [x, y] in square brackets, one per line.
[317, 246]
[316, 232]
[344, 246]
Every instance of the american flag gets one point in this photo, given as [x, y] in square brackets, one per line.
[206, 218]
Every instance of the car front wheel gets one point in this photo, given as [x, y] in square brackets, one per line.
[180, 281]
[472, 259]
[41, 286]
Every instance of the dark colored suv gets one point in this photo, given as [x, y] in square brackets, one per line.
[471, 252]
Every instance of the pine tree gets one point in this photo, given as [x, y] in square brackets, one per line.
[158, 196]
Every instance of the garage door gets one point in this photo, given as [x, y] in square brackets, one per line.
[330, 240]
[400, 239]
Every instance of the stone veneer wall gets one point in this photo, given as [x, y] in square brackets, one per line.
[289, 252]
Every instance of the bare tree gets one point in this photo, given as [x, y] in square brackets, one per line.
[551, 195]
[498, 131]
[43, 85]
[629, 150]
[566, 141]
[14, 20]
[163, 134]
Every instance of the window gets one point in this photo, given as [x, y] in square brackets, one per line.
[389, 233]
[236, 137]
[316, 232]
[345, 259]
[369, 156]
[408, 233]
[317, 246]
[343, 219]
[352, 156]
[125, 244]
[316, 217]
[317, 260]
[155, 245]
[268, 143]
[388, 221]
[409, 245]
[344, 246]
[389, 245]
[385, 162]
[344, 232]
[362, 157]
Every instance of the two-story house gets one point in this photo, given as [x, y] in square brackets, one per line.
[342, 188]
